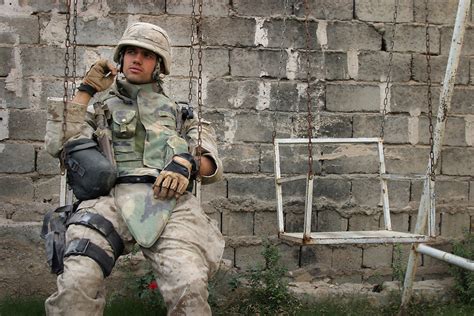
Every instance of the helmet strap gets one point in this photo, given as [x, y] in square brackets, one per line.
[157, 71]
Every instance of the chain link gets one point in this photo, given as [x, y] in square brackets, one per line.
[74, 45]
[66, 66]
[199, 94]
[191, 53]
[309, 115]
[389, 71]
[429, 95]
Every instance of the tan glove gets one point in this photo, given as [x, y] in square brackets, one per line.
[174, 178]
[100, 76]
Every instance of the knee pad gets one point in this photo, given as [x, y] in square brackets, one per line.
[84, 247]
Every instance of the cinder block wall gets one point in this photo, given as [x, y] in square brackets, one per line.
[242, 61]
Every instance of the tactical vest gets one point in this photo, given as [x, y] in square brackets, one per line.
[143, 126]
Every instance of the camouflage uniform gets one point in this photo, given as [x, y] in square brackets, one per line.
[189, 248]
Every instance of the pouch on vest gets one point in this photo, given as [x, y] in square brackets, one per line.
[89, 173]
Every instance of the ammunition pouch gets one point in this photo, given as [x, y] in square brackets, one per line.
[89, 173]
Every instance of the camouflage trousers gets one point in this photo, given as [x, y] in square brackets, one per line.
[187, 253]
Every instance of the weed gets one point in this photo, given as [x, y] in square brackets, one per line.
[398, 268]
[464, 279]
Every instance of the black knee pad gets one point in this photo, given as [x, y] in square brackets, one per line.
[84, 247]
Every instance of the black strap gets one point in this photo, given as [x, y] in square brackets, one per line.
[136, 179]
[103, 226]
[87, 88]
[84, 247]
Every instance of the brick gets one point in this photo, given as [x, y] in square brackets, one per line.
[24, 29]
[215, 62]
[4, 118]
[259, 8]
[436, 15]
[455, 133]
[232, 94]
[412, 99]
[350, 158]
[216, 31]
[265, 224]
[455, 225]
[366, 192]
[16, 188]
[382, 11]
[326, 9]
[411, 38]
[438, 69]
[293, 34]
[17, 158]
[377, 256]
[335, 126]
[251, 187]
[457, 161]
[255, 63]
[406, 160]
[209, 8]
[323, 65]
[240, 158]
[6, 55]
[316, 254]
[29, 125]
[363, 222]
[399, 194]
[351, 35]
[248, 257]
[373, 66]
[331, 221]
[446, 38]
[352, 98]
[47, 190]
[461, 102]
[237, 223]
[347, 258]
[146, 7]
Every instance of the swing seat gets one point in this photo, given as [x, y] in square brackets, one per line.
[383, 236]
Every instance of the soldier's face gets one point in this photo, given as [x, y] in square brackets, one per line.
[138, 65]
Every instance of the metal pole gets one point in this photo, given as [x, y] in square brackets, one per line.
[444, 106]
[446, 256]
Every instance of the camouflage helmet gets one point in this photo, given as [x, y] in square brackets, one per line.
[148, 36]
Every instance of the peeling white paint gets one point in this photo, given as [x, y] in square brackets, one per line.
[469, 130]
[291, 64]
[261, 33]
[263, 73]
[301, 88]
[264, 92]
[382, 96]
[413, 130]
[4, 116]
[231, 128]
[321, 34]
[353, 63]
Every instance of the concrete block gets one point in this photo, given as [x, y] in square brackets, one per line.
[336, 66]
[27, 125]
[216, 31]
[152, 7]
[438, 69]
[316, 255]
[23, 29]
[17, 158]
[293, 160]
[289, 256]
[337, 190]
[373, 66]
[10, 95]
[265, 224]
[412, 99]
[248, 257]
[253, 128]
[446, 38]
[16, 189]
[436, 15]
[6, 55]
[293, 34]
[363, 222]
[406, 160]
[178, 89]
[37, 61]
[107, 30]
[326, 9]
[328, 65]
[398, 194]
[232, 94]
[352, 35]
[261, 8]
[215, 62]
[177, 27]
[46, 164]
[367, 125]
[382, 11]
[256, 63]
[457, 161]
[331, 221]
[366, 192]
[462, 100]
[455, 133]
[350, 158]
[4, 118]
[237, 223]
[377, 256]
[335, 125]
[436, 263]
[251, 187]
[455, 225]
[411, 38]
[399, 221]
[352, 98]
[229, 254]
[294, 220]
[287, 96]
[47, 190]
[240, 158]
[214, 191]
[347, 258]
[209, 8]
[471, 193]
[452, 192]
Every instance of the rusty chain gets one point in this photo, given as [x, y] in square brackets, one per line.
[429, 95]
[199, 93]
[191, 53]
[309, 115]
[389, 71]
[66, 66]
[74, 53]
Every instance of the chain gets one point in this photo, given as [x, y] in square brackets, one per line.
[308, 92]
[429, 95]
[280, 67]
[199, 95]
[389, 72]
[74, 45]
[191, 53]
[66, 65]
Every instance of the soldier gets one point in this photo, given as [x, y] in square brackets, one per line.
[155, 155]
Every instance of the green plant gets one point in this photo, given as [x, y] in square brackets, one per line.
[398, 268]
[464, 279]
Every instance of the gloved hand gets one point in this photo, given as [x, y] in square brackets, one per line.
[99, 77]
[174, 178]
